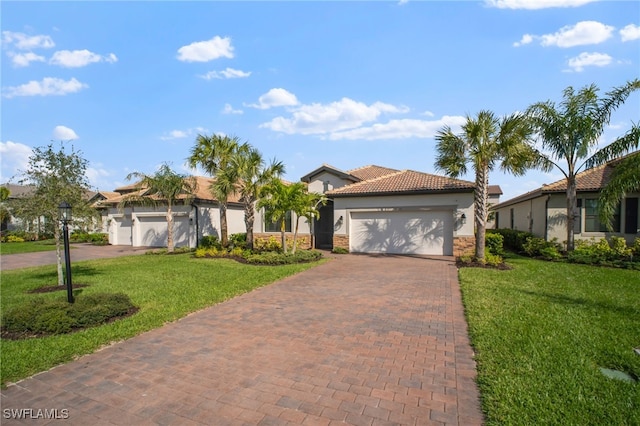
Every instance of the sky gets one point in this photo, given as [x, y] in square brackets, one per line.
[131, 84]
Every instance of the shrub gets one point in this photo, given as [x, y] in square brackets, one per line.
[270, 244]
[275, 258]
[97, 238]
[340, 250]
[238, 240]
[209, 241]
[13, 239]
[493, 259]
[44, 316]
[635, 248]
[494, 243]
[619, 248]
[513, 239]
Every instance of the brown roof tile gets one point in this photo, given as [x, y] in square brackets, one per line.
[403, 182]
[588, 180]
[371, 172]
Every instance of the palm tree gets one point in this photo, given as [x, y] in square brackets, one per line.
[308, 208]
[249, 174]
[570, 131]
[624, 179]
[484, 142]
[279, 200]
[213, 154]
[163, 186]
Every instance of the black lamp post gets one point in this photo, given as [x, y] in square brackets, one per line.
[65, 217]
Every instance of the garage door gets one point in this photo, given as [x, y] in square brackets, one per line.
[402, 232]
[120, 232]
[152, 231]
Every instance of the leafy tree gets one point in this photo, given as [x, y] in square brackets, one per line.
[214, 153]
[5, 215]
[248, 173]
[484, 142]
[570, 131]
[56, 176]
[164, 186]
[308, 208]
[624, 179]
[279, 199]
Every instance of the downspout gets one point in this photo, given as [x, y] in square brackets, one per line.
[546, 218]
[197, 224]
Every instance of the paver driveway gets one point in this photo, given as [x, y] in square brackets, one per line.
[362, 340]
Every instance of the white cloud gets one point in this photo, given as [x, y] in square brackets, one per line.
[181, 134]
[400, 129]
[15, 158]
[227, 73]
[99, 177]
[526, 39]
[428, 114]
[64, 133]
[228, 109]
[275, 98]
[205, 51]
[586, 59]
[535, 4]
[47, 87]
[630, 32]
[79, 58]
[583, 33]
[24, 59]
[326, 118]
[25, 42]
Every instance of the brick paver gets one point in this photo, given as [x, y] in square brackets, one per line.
[360, 340]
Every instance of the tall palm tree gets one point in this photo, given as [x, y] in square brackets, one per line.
[213, 154]
[624, 179]
[484, 142]
[308, 208]
[279, 200]
[248, 173]
[164, 186]
[570, 131]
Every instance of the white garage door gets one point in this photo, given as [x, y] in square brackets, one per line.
[402, 232]
[153, 232]
[120, 232]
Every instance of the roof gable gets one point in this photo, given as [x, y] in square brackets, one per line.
[371, 172]
[326, 168]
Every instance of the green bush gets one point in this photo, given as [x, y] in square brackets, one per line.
[267, 245]
[13, 239]
[238, 240]
[635, 248]
[513, 239]
[339, 250]
[97, 238]
[210, 241]
[601, 252]
[44, 316]
[493, 259]
[276, 258]
[494, 243]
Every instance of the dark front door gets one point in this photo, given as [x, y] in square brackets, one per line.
[631, 216]
[323, 227]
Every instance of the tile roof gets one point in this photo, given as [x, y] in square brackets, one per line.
[495, 190]
[371, 172]
[403, 182]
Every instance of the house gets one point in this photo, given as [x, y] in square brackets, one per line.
[375, 209]
[543, 211]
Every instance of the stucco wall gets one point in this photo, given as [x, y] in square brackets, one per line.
[259, 224]
[317, 184]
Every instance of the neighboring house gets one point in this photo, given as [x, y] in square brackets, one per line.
[543, 212]
[494, 198]
[375, 209]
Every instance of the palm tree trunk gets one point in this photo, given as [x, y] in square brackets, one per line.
[169, 229]
[572, 213]
[224, 232]
[56, 236]
[295, 235]
[480, 207]
[248, 222]
[283, 237]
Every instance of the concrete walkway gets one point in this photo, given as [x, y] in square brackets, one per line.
[78, 252]
[362, 340]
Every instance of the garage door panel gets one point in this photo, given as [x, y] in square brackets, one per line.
[153, 231]
[412, 232]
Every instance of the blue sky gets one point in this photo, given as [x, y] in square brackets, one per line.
[131, 84]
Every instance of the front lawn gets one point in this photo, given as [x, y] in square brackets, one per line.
[27, 247]
[165, 288]
[541, 333]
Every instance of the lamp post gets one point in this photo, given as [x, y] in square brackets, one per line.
[65, 217]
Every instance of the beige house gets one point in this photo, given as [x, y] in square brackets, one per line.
[375, 209]
[543, 212]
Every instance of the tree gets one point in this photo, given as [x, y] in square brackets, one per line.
[280, 199]
[624, 179]
[249, 174]
[5, 214]
[56, 176]
[308, 208]
[570, 131]
[214, 154]
[484, 142]
[164, 186]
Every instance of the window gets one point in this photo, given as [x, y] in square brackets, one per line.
[275, 226]
[591, 220]
[631, 216]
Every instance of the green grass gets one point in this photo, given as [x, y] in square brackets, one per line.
[541, 333]
[27, 247]
[165, 288]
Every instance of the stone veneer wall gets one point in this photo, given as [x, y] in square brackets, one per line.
[341, 241]
[463, 245]
[303, 240]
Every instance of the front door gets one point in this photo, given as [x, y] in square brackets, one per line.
[323, 227]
